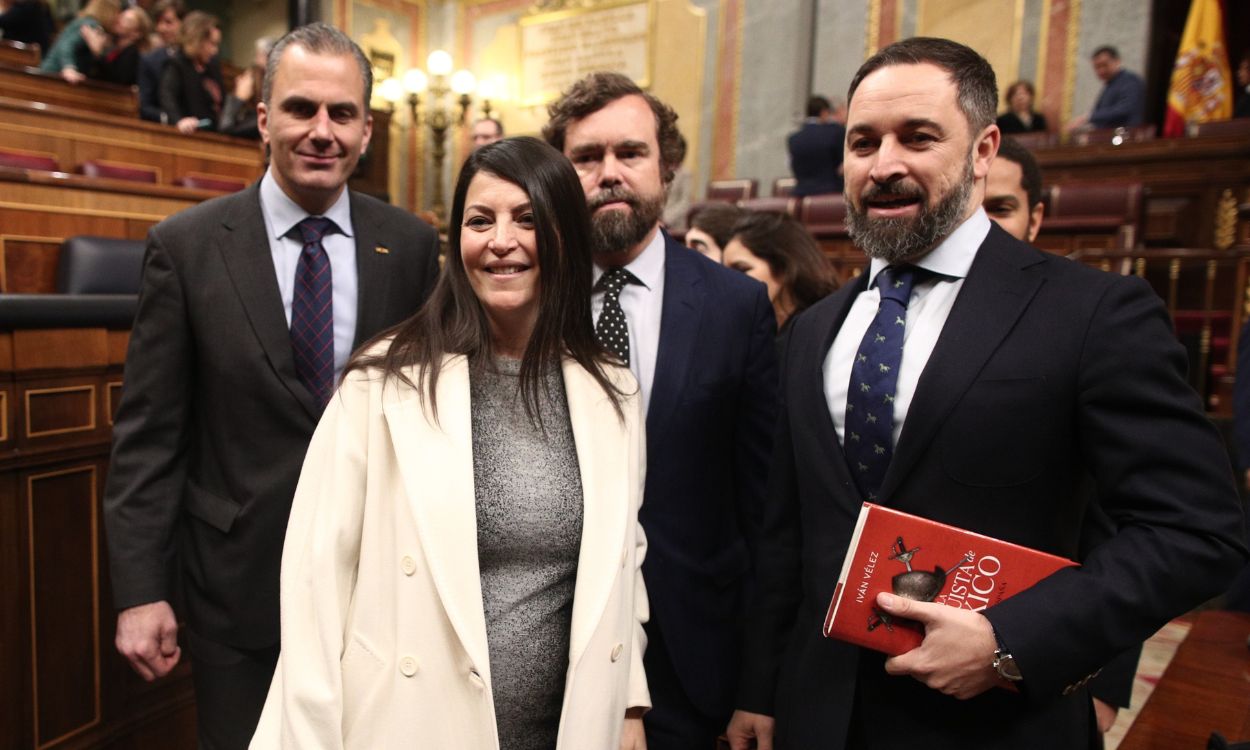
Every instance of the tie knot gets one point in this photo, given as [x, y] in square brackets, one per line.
[313, 228]
[895, 283]
[614, 280]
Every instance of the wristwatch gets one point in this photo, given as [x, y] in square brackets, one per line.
[1004, 663]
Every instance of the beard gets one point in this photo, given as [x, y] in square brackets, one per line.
[614, 232]
[897, 239]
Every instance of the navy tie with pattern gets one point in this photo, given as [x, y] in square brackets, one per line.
[312, 311]
[869, 430]
[612, 330]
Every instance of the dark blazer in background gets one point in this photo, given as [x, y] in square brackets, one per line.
[151, 68]
[183, 92]
[1045, 371]
[709, 430]
[1010, 123]
[213, 422]
[815, 155]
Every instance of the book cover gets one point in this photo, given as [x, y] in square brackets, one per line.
[925, 561]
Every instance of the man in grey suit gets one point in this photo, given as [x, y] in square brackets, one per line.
[251, 305]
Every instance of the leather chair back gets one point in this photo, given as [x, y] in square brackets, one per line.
[732, 191]
[99, 265]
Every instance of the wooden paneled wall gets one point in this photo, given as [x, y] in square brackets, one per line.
[30, 84]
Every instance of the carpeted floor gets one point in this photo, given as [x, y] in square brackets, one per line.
[1155, 656]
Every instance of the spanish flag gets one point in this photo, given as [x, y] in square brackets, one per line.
[1201, 88]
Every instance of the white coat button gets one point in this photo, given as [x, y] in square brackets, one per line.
[408, 666]
[408, 565]
[616, 651]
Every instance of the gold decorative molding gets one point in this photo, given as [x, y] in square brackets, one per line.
[1043, 44]
[114, 385]
[41, 744]
[1225, 220]
[874, 28]
[1069, 72]
[87, 427]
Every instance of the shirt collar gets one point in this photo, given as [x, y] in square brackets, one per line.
[648, 267]
[954, 255]
[283, 213]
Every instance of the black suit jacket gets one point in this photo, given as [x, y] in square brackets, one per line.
[815, 155]
[183, 92]
[1045, 371]
[709, 430]
[213, 422]
[151, 68]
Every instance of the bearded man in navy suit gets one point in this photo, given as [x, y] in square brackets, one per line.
[1021, 372]
[700, 339]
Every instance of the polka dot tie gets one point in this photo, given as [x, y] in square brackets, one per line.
[612, 330]
[312, 310]
[869, 432]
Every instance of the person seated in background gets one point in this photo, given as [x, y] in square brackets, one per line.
[774, 248]
[1122, 102]
[1013, 200]
[1241, 106]
[191, 87]
[238, 114]
[167, 15]
[456, 446]
[82, 41]
[816, 149]
[711, 228]
[1020, 116]
[120, 64]
[486, 131]
[28, 22]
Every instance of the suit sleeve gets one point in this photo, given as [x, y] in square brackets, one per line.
[171, 93]
[1162, 476]
[639, 694]
[143, 495]
[304, 708]
[773, 602]
[757, 417]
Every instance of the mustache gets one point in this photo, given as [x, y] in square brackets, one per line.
[613, 195]
[892, 190]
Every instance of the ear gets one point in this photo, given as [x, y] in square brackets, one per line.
[262, 121]
[364, 142]
[1035, 220]
[985, 149]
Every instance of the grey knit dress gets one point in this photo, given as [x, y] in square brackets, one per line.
[529, 530]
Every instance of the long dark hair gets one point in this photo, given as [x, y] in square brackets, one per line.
[791, 253]
[452, 321]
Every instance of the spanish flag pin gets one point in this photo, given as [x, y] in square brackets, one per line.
[382, 250]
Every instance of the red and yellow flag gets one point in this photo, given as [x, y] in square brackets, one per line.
[1201, 88]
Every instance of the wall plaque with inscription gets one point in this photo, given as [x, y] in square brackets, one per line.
[559, 48]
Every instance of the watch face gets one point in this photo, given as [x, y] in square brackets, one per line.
[1007, 668]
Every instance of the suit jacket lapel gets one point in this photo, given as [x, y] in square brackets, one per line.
[994, 295]
[811, 379]
[372, 269]
[602, 457]
[679, 330]
[436, 464]
[249, 262]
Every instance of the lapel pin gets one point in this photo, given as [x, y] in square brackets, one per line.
[382, 250]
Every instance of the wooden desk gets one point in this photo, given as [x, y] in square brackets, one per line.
[1206, 688]
[38, 210]
[18, 53]
[30, 83]
[1192, 185]
[74, 136]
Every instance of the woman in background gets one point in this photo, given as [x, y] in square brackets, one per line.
[238, 114]
[191, 87]
[711, 227]
[120, 64]
[1020, 116]
[776, 249]
[462, 563]
[82, 41]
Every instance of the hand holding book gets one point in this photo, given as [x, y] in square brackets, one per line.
[954, 657]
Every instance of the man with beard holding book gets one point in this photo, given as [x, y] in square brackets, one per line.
[699, 338]
[973, 380]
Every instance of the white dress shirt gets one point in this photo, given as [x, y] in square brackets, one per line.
[643, 305]
[930, 305]
[281, 215]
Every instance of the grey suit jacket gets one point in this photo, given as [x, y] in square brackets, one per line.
[213, 423]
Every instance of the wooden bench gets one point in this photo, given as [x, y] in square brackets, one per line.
[76, 136]
[19, 53]
[23, 82]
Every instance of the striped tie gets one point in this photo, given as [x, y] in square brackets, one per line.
[312, 311]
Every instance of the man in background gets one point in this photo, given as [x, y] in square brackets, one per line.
[816, 149]
[250, 306]
[1122, 102]
[485, 131]
[700, 340]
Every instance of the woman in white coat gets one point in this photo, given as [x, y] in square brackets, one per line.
[461, 567]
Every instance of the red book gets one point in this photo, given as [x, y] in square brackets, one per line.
[926, 561]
